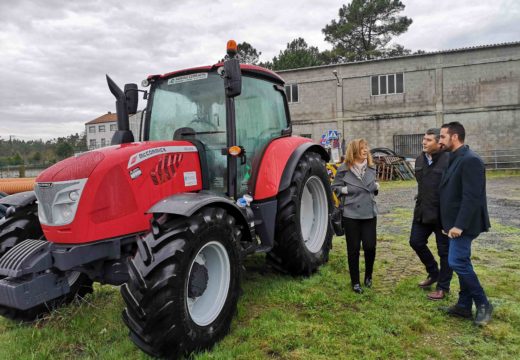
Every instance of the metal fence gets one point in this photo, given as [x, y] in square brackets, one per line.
[501, 159]
[410, 145]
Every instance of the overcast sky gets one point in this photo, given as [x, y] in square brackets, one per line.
[54, 54]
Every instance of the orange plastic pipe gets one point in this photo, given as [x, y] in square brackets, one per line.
[16, 185]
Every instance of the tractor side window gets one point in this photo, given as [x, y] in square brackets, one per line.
[260, 117]
[170, 110]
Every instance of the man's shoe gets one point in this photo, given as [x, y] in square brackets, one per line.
[458, 311]
[438, 294]
[357, 289]
[483, 314]
[428, 282]
[368, 282]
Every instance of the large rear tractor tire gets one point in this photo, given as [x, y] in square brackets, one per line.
[303, 237]
[184, 284]
[24, 224]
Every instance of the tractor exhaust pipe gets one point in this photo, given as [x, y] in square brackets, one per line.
[123, 134]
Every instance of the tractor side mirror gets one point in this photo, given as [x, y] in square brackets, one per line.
[132, 98]
[232, 77]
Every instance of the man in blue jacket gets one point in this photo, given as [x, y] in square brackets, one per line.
[464, 216]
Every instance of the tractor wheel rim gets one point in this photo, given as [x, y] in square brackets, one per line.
[72, 277]
[205, 308]
[314, 214]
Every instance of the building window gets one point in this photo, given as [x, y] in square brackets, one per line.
[101, 128]
[113, 127]
[387, 84]
[103, 142]
[91, 129]
[92, 143]
[291, 91]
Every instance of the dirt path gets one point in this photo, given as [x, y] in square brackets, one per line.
[396, 205]
[503, 199]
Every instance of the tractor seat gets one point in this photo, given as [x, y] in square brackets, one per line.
[184, 133]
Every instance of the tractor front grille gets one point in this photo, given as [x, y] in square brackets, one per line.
[46, 193]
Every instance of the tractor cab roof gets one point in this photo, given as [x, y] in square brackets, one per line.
[247, 69]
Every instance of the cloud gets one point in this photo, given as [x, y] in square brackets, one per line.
[55, 53]
[447, 24]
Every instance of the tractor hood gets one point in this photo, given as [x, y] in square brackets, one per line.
[106, 193]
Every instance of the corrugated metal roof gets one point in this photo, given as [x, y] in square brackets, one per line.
[476, 47]
[469, 48]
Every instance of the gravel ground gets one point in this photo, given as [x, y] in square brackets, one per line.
[395, 209]
[503, 205]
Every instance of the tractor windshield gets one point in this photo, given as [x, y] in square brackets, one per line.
[194, 101]
[193, 106]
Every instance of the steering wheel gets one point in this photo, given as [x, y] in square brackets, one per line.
[183, 133]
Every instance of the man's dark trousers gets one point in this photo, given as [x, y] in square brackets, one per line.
[459, 259]
[419, 242]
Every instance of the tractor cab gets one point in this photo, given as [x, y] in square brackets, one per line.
[193, 105]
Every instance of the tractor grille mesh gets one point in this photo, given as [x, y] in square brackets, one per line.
[46, 196]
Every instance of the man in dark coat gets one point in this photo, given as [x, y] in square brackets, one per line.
[464, 216]
[429, 168]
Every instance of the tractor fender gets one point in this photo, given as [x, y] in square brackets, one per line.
[274, 158]
[186, 204]
[295, 158]
[280, 154]
[19, 199]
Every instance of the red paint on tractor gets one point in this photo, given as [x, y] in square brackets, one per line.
[73, 168]
[121, 188]
[273, 164]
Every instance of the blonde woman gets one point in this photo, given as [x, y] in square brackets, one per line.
[355, 184]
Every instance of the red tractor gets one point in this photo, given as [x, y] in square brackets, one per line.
[217, 177]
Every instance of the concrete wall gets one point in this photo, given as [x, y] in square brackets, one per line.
[479, 87]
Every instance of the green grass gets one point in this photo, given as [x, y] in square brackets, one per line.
[281, 317]
[491, 174]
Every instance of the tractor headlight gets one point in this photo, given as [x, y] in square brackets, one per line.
[74, 195]
[58, 201]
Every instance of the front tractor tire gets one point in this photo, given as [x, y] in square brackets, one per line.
[23, 225]
[184, 284]
[303, 237]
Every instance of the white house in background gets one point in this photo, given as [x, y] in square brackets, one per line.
[100, 130]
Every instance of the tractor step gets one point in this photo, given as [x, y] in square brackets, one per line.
[255, 248]
[29, 256]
